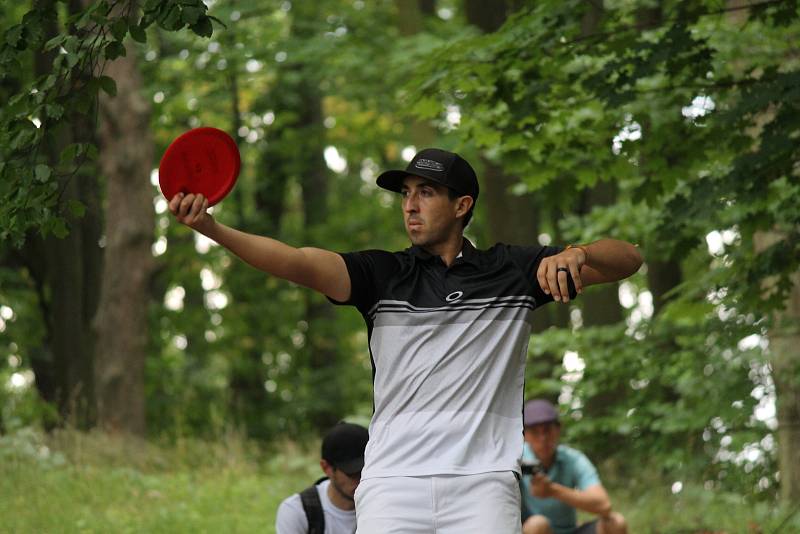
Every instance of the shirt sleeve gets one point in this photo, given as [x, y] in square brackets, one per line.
[528, 259]
[291, 518]
[366, 269]
[585, 472]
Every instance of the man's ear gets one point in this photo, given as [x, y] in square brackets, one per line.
[326, 468]
[463, 205]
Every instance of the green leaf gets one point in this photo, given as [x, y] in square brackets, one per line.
[14, 35]
[172, 20]
[71, 44]
[58, 227]
[54, 111]
[138, 33]
[23, 138]
[76, 208]
[42, 172]
[90, 151]
[83, 102]
[203, 27]
[69, 154]
[108, 85]
[55, 42]
[114, 49]
[48, 83]
[191, 15]
[72, 60]
[151, 5]
[215, 19]
[119, 29]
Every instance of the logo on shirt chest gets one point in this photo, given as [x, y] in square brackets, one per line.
[454, 296]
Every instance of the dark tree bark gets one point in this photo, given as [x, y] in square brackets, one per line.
[488, 16]
[67, 273]
[126, 158]
[411, 15]
[428, 7]
[321, 344]
[785, 359]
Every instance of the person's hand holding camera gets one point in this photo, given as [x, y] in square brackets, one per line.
[541, 486]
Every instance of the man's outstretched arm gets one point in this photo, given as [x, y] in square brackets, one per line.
[315, 268]
[606, 260]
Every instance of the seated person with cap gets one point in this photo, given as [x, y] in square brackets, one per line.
[328, 506]
[563, 481]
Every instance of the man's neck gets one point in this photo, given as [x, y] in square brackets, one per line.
[447, 250]
[548, 463]
[339, 500]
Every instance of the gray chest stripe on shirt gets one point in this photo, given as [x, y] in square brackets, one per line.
[400, 307]
[461, 316]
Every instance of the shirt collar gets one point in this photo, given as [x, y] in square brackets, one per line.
[467, 254]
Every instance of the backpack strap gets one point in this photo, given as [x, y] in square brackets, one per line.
[313, 508]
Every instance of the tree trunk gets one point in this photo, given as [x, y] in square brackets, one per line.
[411, 15]
[662, 277]
[784, 357]
[126, 158]
[321, 344]
[237, 193]
[488, 16]
[600, 306]
[66, 273]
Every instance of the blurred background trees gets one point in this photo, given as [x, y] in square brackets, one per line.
[670, 124]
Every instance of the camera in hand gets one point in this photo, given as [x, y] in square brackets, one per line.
[530, 467]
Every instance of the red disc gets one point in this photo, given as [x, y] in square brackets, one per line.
[203, 160]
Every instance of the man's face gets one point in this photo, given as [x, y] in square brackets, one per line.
[543, 439]
[428, 212]
[345, 484]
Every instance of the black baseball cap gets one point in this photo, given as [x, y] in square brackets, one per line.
[436, 165]
[343, 447]
[538, 411]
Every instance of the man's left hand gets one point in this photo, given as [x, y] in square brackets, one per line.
[552, 273]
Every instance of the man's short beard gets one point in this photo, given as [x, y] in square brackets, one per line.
[341, 492]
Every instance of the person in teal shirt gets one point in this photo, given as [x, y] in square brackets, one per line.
[564, 481]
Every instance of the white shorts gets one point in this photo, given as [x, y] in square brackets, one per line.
[486, 503]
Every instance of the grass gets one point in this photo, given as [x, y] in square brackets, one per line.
[92, 483]
[654, 509]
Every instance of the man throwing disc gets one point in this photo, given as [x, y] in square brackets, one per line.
[448, 332]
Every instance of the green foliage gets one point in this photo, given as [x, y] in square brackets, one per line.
[76, 49]
[248, 363]
[550, 101]
[692, 111]
[683, 387]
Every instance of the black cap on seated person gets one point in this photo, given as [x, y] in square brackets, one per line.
[538, 411]
[343, 447]
[436, 165]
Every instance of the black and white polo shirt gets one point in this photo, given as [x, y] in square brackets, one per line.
[448, 348]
